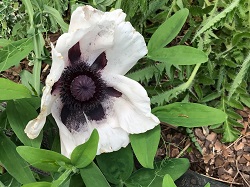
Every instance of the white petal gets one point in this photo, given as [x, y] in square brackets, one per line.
[96, 32]
[129, 46]
[35, 126]
[57, 67]
[133, 107]
[66, 138]
[110, 139]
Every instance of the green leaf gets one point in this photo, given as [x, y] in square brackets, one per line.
[245, 100]
[27, 80]
[116, 166]
[230, 134]
[167, 31]
[175, 167]
[38, 184]
[189, 114]
[168, 181]
[85, 153]
[179, 55]
[42, 159]
[10, 90]
[13, 53]
[145, 146]
[8, 180]
[207, 185]
[4, 42]
[19, 113]
[64, 26]
[93, 177]
[13, 163]
[235, 104]
[64, 178]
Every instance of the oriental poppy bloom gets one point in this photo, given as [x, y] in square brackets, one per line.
[86, 88]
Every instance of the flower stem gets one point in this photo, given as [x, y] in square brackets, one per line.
[37, 49]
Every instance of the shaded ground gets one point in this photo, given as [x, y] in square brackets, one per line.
[228, 163]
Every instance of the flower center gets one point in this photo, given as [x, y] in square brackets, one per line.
[82, 88]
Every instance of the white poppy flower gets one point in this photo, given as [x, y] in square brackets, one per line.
[86, 88]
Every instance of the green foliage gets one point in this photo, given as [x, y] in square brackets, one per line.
[189, 114]
[10, 90]
[145, 146]
[9, 17]
[43, 159]
[13, 163]
[85, 153]
[154, 177]
[18, 120]
[117, 166]
[168, 181]
[14, 52]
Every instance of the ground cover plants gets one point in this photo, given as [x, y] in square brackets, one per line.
[194, 65]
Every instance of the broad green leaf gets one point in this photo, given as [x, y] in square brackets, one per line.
[13, 53]
[189, 114]
[42, 159]
[19, 113]
[27, 80]
[10, 90]
[4, 42]
[13, 163]
[167, 31]
[93, 177]
[179, 55]
[8, 180]
[85, 153]
[116, 166]
[175, 167]
[168, 181]
[57, 17]
[38, 184]
[145, 146]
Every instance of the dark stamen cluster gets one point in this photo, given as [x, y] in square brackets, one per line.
[82, 87]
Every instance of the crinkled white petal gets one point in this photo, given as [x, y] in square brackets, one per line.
[129, 46]
[66, 138]
[35, 126]
[133, 108]
[110, 139]
[98, 31]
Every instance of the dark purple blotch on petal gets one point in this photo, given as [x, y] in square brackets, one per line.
[74, 53]
[96, 114]
[100, 62]
[72, 119]
[113, 92]
[56, 86]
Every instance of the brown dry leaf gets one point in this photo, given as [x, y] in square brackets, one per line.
[247, 156]
[208, 157]
[239, 146]
[211, 137]
[218, 146]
